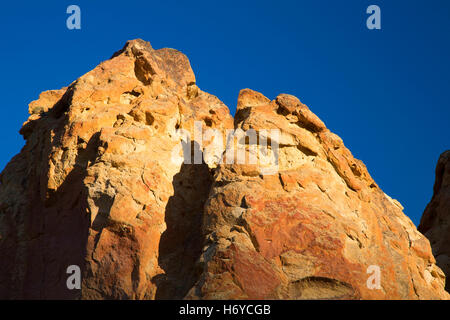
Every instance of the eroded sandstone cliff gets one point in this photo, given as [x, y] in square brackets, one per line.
[435, 222]
[96, 186]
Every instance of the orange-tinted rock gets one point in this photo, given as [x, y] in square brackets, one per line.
[313, 230]
[435, 222]
[96, 185]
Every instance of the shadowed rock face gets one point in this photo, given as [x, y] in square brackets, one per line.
[435, 222]
[312, 230]
[95, 186]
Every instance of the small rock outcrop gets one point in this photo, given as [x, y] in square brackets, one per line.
[435, 222]
[116, 180]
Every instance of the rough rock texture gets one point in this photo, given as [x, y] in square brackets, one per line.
[312, 230]
[435, 222]
[95, 186]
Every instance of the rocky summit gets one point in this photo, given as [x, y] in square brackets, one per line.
[435, 222]
[96, 187]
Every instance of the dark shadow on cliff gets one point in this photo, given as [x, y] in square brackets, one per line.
[181, 244]
[65, 222]
[47, 233]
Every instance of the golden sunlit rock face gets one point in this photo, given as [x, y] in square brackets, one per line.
[96, 186]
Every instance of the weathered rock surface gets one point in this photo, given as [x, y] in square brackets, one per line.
[95, 186]
[312, 230]
[435, 222]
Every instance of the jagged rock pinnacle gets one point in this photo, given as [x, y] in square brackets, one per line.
[96, 187]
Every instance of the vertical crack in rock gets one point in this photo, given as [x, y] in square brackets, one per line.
[181, 244]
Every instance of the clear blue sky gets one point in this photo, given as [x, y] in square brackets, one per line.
[385, 92]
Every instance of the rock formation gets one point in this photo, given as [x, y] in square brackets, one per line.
[96, 186]
[435, 222]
